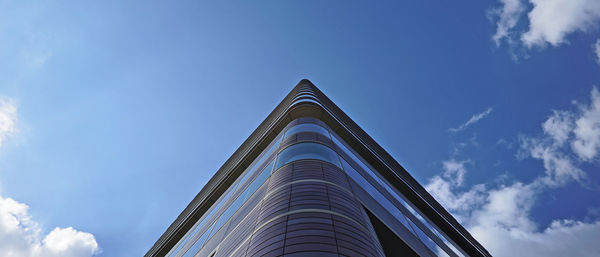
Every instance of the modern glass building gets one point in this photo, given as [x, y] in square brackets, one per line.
[310, 182]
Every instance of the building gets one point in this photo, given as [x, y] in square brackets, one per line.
[310, 182]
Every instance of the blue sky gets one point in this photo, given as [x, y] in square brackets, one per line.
[114, 114]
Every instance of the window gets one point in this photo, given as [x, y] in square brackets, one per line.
[307, 127]
[307, 151]
[427, 240]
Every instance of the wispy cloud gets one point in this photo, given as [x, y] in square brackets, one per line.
[474, 119]
[597, 50]
[586, 143]
[508, 16]
[20, 234]
[499, 216]
[8, 118]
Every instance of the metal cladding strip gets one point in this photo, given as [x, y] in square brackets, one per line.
[295, 212]
[282, 186]
[417, 194]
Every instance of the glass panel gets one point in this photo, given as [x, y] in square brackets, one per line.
[438, 235]
[376, 194]
[199, 243]
[307, 127]
[187, 237]
[249, 171]
[265, 156]
[394, 194]
[424, 238]
[307, 151]
[258, 181]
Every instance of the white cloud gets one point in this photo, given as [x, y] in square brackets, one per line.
[499, 216]
[455, 170]
[509, 15]
[597, 50]
[8, 118]
[474, 119]
[580, 129]
[587, 129]
[558, 166]
[550, 21]
[561, 238]
[559, 126]
[443, 187]
[461, 203]
[506, 207]
[21, 236]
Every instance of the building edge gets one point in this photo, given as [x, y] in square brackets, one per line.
[306, 100]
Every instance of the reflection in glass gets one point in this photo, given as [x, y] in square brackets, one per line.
[234, 187]
[307, 151]
[199, 243]
[376, 194]
[306, 127]
[252, 169]
[424, 238]
[397, 197]
[233, 207]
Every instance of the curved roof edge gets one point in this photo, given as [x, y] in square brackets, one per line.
[306, 100]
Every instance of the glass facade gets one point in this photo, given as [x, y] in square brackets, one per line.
[408, 212]
[302, 151]
[316, 185]
[340, 155]
[306, 127]
[203, 230]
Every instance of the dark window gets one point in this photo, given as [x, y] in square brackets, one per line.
[391, 243]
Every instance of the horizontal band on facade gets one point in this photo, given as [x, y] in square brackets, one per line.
[308, 210]
[275, 190]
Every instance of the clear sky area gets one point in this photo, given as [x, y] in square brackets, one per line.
[114, 114]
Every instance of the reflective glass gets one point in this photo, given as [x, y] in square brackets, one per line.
[307, 151]
[206, 218]
[260, 179]
[375, 194]
[306, 127]
[189, 235]
[199, 243]
[251, 170]
[233, 207]
[257, 164]
[395, 195]
[424, 238]
[438, 235]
